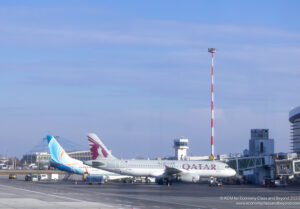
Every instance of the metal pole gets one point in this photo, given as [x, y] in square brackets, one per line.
[212, 107]
[212, 156]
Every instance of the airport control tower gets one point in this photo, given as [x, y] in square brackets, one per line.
[181, 146]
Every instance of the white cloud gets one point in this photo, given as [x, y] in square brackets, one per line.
[143, 32]
[242, 83]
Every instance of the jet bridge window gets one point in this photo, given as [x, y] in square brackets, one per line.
[297, 166]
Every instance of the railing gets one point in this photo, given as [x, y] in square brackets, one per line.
[24, 172]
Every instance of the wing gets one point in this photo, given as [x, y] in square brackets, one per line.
[170, 171]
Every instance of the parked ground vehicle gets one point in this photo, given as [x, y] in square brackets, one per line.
[268, 182]
[43, 177]
[216, 183]
[3, 167]
[54, 176]
[34, 177]
[12, 176]
[31, 177]
[28, 177]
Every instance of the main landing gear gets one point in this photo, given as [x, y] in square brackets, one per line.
[168, 182]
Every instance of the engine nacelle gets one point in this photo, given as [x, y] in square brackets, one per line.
[190, 178]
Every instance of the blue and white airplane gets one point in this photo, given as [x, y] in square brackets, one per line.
[62, 161]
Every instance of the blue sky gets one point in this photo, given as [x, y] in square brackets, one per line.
[138, 73]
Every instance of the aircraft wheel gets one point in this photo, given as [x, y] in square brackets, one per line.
[160, 182]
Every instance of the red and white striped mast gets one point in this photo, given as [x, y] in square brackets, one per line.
[212, 51]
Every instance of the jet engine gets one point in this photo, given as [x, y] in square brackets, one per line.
[190, 178]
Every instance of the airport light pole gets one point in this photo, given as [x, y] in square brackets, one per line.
[212, 51]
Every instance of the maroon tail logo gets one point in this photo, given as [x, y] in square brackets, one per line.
[94, 146]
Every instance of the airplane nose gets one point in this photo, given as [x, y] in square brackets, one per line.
[232, 172]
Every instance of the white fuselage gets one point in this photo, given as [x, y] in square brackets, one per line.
[157, 168]
[78, 167]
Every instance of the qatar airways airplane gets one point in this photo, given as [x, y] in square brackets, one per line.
[62, 161]
[162, 170]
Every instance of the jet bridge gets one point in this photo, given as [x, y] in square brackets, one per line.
[247, 163]
[253, 168]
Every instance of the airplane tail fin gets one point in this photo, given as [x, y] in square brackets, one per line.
[57, 153]
[98, 149]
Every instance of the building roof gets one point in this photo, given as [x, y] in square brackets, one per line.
[294, 114]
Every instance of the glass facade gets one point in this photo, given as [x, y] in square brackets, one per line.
[41, 156]
[297, 166]
[259, 133]
[178, 144]
[295, 140]
[81, 155]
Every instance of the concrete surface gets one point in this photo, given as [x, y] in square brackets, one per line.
[62, 194]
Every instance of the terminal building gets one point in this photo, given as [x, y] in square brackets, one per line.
[39, 155]
[288, 165]
[294, 118]
[282, 166]
[260, 144]
[257, 162]
[254, 166]
[40, 158]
